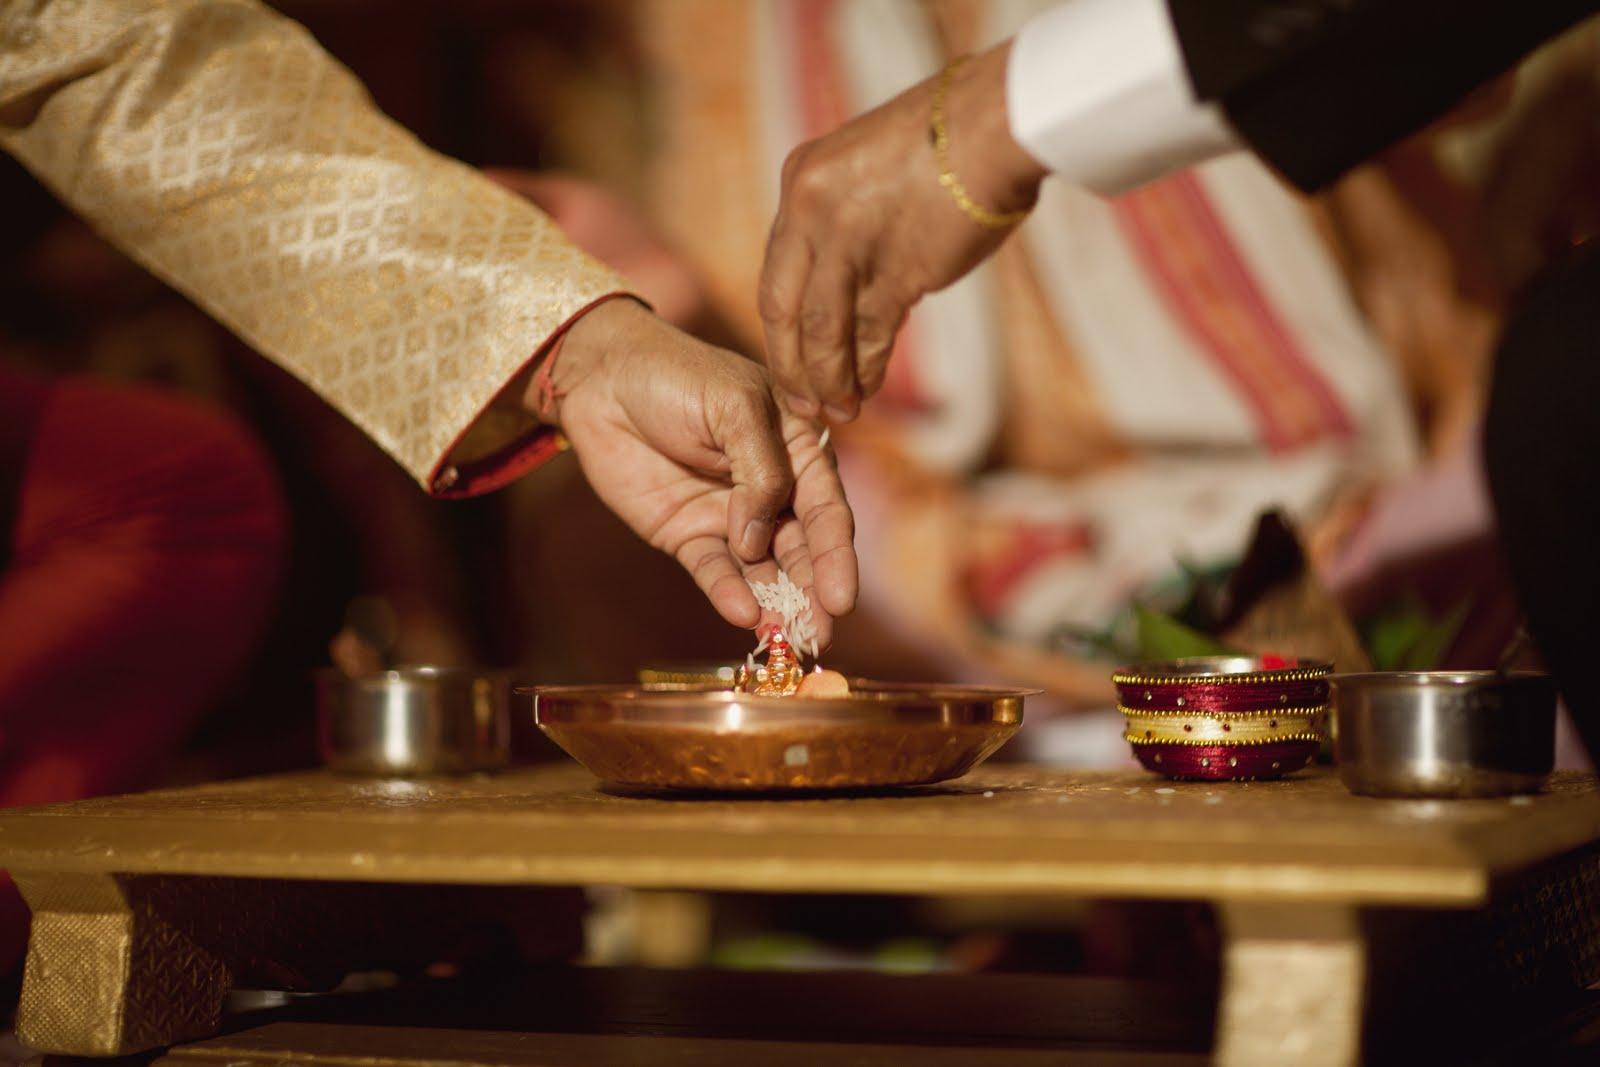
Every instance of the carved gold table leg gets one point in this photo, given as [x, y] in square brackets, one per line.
[124, 963]
[1292, 985]
[104, 977]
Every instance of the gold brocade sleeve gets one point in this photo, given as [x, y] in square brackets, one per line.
[216, 143]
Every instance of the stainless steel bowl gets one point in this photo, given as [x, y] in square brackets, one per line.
[1443, 733]
[414, 721]
[881, 735]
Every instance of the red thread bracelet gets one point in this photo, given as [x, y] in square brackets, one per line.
[544, 388]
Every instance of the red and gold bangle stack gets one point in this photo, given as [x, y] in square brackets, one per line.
[1224, 717]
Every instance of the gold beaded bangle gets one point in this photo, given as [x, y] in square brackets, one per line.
[1134, 737]
[1286, 674]
[1225, 716]
[975, 211]
[1203, 730]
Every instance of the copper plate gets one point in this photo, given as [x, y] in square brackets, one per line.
[882, 735]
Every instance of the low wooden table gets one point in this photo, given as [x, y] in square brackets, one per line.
[148, 908]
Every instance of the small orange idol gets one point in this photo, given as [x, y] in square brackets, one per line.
[783, 676]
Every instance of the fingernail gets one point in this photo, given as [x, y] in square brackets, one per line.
[803, 406]
[839, 414]
[756, 535]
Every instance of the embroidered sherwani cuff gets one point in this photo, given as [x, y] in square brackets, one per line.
[218, 145]
[505, 441]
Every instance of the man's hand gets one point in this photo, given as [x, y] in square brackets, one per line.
[864, 230]
[685, 442]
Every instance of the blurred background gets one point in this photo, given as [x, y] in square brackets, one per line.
[1044, 463]
[1077, 447]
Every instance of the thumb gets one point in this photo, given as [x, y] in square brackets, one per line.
[748, 432]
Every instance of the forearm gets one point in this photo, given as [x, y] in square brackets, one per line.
[217, 144]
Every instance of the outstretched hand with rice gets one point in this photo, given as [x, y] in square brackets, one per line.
[686, 443]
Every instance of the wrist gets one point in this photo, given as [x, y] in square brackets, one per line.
[1002, 173]
[576, 356]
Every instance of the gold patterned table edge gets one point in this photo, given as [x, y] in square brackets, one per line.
[999, 831]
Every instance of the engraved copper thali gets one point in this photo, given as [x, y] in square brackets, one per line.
[882, 735]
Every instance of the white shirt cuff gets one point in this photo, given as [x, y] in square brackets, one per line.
[1097, 92]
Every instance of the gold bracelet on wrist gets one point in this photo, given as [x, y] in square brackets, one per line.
[1243, 728]
[992, 220]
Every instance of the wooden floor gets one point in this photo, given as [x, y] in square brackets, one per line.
[988, 1010]
[577, 1017]
[316, 1044]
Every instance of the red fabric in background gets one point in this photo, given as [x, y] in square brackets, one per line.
[146, 541]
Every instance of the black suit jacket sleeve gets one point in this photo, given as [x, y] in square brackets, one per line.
[1317, 86]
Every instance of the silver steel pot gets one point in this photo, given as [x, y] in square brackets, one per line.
[1443, 733]
[414, 721]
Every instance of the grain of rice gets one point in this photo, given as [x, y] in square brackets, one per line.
[822, 442]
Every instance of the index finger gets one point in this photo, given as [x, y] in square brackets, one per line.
[784, 272]
[792, 555]
[830, 527]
